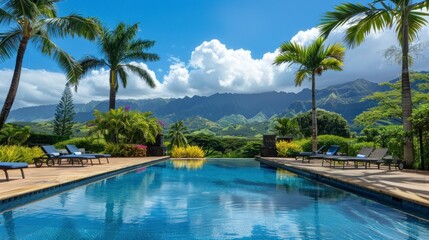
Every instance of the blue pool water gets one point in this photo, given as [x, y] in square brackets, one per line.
[213, 199]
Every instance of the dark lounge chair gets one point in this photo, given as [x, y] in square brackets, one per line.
[375, 156]
[305, 155]
[363, 153]
[72, 149]
[332, 150]
[52, 155]
[5, 166]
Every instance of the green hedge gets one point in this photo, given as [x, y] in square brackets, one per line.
[328, 140]
[356, 146]
[126, 150]
[36, 139]
[89, 144]
[348, 146]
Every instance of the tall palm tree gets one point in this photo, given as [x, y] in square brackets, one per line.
[177, 134]
[313, 60]
[119, 48]
[37, 21]
[406, 18]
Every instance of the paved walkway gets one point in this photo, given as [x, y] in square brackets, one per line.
[407, 184]
[46, 177]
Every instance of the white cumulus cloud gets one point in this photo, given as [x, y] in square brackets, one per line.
[213, 67]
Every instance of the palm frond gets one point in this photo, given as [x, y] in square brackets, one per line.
[290, 52]
[301, 75]
[22, 8]
[314, 58]
[140, 45]
[416, 21]
[336, 51]
[142, 73]
[343, 14]
[73, 25]
[332, 64]
[140, 56]
[67, 63]
[374, 21]
[9, 43]
[47, 8]
[5, 17]
[123, 76]
[89, 63]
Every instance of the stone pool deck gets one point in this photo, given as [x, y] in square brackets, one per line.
[37, 179]
[397, 186]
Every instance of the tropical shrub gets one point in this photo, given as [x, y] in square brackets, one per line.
[287, 149]
[14, 135]
[355, 147]
[19, 154]
[328, 140]
[187, 152]
[126, 150]
[251, 149]
[392, 137]
[89, 144]
[124, 126]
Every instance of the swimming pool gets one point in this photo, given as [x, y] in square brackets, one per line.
[212, 199]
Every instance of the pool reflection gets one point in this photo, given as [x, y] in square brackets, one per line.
[208, 200]
[189, 164]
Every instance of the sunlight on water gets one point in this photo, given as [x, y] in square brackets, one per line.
[208, 199]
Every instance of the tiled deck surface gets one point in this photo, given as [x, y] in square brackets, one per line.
[45, 177]
[406, 184]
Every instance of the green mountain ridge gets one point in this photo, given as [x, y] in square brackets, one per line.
[227, 108]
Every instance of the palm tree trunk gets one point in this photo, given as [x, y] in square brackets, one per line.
[112, 96]
[14, 83]
[407, 105]
[313, 113]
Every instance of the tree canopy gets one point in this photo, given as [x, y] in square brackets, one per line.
[388, 109]
[330, 123]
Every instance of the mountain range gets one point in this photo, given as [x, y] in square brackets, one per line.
[227, 108]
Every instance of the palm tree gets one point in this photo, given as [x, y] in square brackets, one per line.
[313, 60]
[119, 48]
[37, 21]
[406, 18]
[284, 126]
[177, 134]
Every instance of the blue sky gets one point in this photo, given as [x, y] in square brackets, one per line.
[178, 26]
[205, 47]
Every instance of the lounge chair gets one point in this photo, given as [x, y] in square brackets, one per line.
[5, 166]
[305, 155]
[72, 149]
[332, 150]
[375, 156]
[363, 153]
[52, 155]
